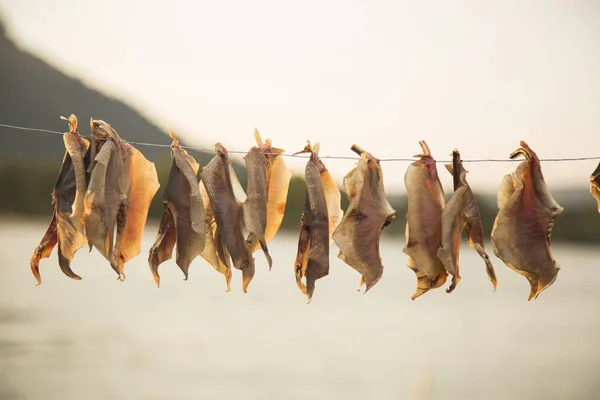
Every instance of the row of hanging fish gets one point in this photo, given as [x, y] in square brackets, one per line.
[105, 186]
[208, 218]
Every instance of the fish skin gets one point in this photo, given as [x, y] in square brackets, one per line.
[76, 147]
[64, 231]
[44, 249]
[103, 201]
[369, 212]
[333, 199]
[255, 206]
[461, 212]
[180, 211]
[426, 202]
[277, 182]
[301, 262]
[217, 177]
[312, 259]
[122, 185]
[318, 253]
[142, 187]
[214, 252]
[189, 167]
[523, 225]
[278, 185]
[595, 185]
[162, 249]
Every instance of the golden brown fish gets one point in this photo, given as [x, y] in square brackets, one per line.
[66, 231]
[255, 206]
[426, 202]
[317, 224]
[595, 185]
[183, 216]
[278, 181]
[526, 215]
[219, 180]
[461, 212]
[105, 193]
[122, 185]
[214, 251]
[369, 212]
[143, 185]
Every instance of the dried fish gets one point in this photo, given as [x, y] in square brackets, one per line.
[369, 212]
[426, 202]
[66, 227]
[526, 215]
[223, 190]
[321, 215]
[182, 222]
[461, 212]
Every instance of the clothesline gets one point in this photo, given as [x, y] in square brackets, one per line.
[206, 150]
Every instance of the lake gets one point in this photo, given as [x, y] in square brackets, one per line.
[99, 338]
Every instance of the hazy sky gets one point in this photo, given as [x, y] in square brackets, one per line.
[475, 75]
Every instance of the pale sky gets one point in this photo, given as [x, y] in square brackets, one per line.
[475, 75]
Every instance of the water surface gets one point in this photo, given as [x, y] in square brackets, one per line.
[102, 339]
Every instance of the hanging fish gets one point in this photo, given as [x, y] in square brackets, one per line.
[369, 212]
[278, 181]
[215, 252]
[182, 222]
[66, 227]
[321, 215]
[122, 185]
[461, 212]
[226, 198]
[104, 194]
[595, 185]
[76, 147]
[255, 206]
[426, 202]
[523, 226]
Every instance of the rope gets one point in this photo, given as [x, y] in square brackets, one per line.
[23, 128]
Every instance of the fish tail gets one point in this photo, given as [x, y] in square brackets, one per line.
[65, 266]
[263, 245]
[488, 265]
[34, 263]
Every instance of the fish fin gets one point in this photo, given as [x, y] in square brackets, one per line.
[162, 249]
[44, 249]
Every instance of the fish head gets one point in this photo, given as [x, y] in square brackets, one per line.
[457, 170]
[175, 143]
[266, 147]
[530, 168]
[372, 175]
[221, 150]
[314, 155]
[103, 129]
[426, 160]
[100, 129]
[259, 142]
[372, 162]
[307, 149]
[526, 152]
[72, 122]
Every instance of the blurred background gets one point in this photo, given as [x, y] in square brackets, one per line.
[477, 76]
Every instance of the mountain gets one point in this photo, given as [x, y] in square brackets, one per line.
[35, 94]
